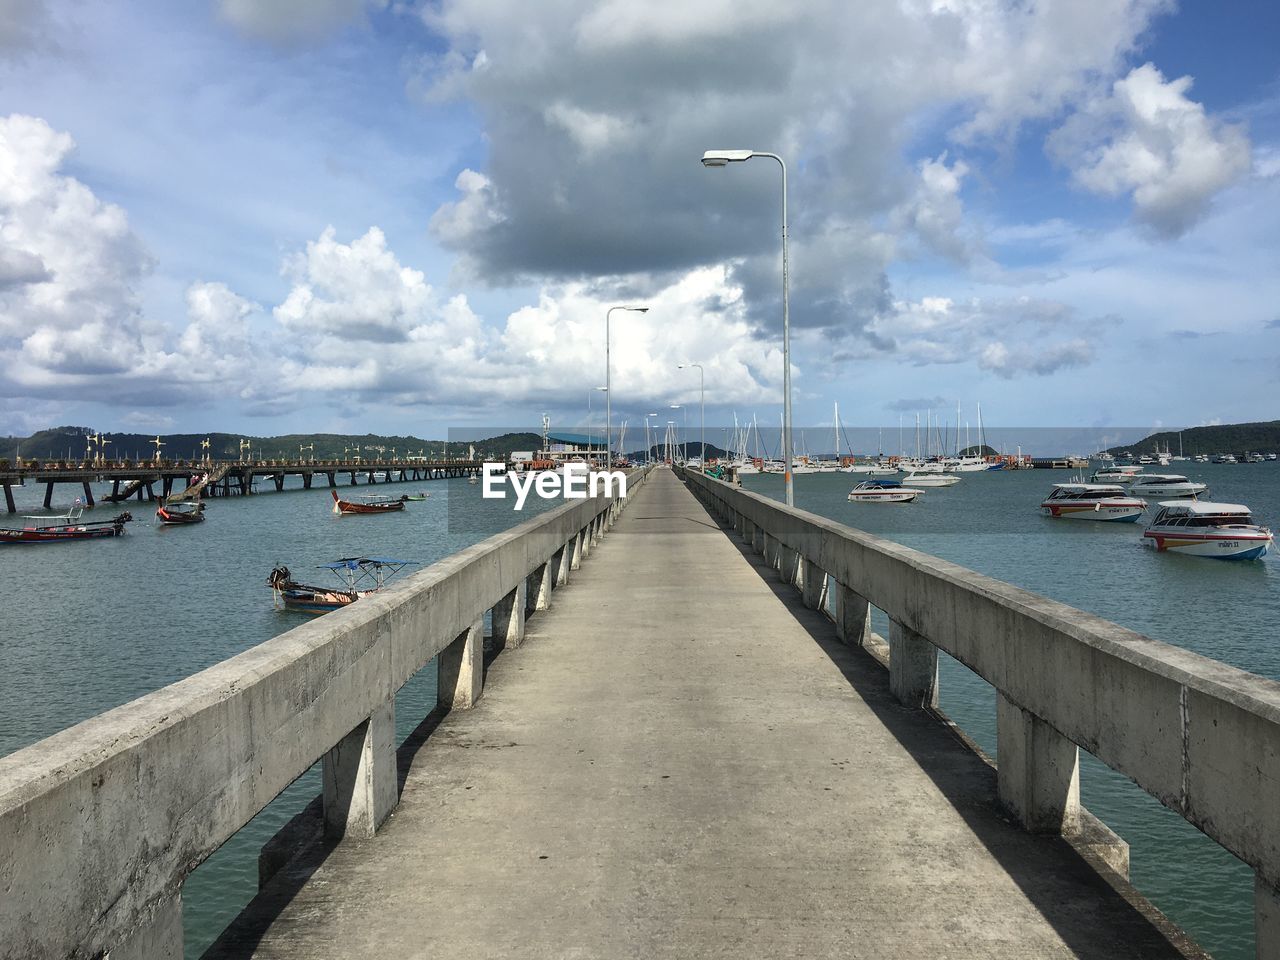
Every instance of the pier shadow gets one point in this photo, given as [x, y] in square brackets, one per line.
[298, 850]
[1098, 914]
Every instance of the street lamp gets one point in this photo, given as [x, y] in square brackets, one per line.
[721, 158]
[608, 400]
[684, 430]
[702, 403]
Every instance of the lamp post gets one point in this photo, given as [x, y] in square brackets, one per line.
[702, 404]
[608, 397]
[720, 158]
[684, 430]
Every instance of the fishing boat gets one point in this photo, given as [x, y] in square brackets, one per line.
[413, 497]
[358, 576]
[1092, 501]
[370, 505]
[174, 514]
[1225, 531]
[1166, 485]
[931, 480]
[883, 491]
[68, 526]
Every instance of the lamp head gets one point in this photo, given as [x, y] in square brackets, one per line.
[720, 158]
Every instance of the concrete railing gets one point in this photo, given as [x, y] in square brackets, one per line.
[1201, 737]
[101, 823]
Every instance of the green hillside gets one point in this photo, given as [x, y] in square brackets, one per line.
[69, 443]
[1234, 438]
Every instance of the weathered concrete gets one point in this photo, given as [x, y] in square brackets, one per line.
[913, 667]
[102, 822]
[1039, 770]
[359, 777]
[738, 784]
[1200, 736]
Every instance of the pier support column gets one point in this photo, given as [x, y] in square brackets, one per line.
[1266, 919]
[853, 616]
[564, 563]
[540, 584]
[160, 938]
[812, 584]
[48, 496]
[913, 667]
[279, 481]
[359, 775]
[88, 494]
[587, 541]
[576, 559]
[508, 618]
[8, 499]
[461, 669]
[332, 479]
[1037, 771]
[749, 533]
[769, 550]
[789, 566]
[306, 481]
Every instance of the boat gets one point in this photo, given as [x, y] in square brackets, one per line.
[68, 526]
[966, 465]
[174, 514]
[1092, 501]
[1166, 485]
[1225, 458]
[931, 480]
[1201, 458]
[413, 497]
[1116, 474]
[1225, 531]
[358, 576]
[883, 491]
[1146, 460]
[371, 505]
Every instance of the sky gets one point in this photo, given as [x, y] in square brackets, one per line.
[393, 216]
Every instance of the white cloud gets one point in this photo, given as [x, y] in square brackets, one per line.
[1149, 139]
[935, 212]
[294, 21]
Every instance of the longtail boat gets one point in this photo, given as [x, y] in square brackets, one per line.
[66, 527]
[174, 514]
[367, 506]
[359, 576]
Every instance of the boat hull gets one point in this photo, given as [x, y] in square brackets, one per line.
[1170, 490]
[932, 480]
[884, 496]
[1219, 547]
[1107, 513]
[59, 536]
[341, 506]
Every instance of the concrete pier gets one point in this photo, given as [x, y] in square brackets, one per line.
[683, 760]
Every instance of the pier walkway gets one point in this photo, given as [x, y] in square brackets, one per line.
[682, 760]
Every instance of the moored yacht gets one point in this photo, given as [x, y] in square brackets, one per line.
[930, 479]
[1201, 529]
[883, 491]
[1116, 474]
[1166, 485]
[1092, 501]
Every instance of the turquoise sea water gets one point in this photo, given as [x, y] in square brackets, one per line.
[1229, 611]
[89, 626]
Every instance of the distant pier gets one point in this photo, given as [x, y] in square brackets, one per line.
[218, 478]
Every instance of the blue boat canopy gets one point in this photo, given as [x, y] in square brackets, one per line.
[354, 563]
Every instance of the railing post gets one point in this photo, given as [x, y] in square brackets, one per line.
[748, 533]
[588, 541]
[913, 667]
[770, 551]
[461, 669]
[1266, 919]
[1037, 770]
[508, 618]
[576, 560]
[160, 938]
[812, 582]
[359, 775]
[853, 616]
[789, 566]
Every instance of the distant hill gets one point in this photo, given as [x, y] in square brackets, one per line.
[979, 450]
[70, 443]
[1224, 438]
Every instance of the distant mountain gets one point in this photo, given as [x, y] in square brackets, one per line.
[71, 443]
[1234, 438]
[979, 450]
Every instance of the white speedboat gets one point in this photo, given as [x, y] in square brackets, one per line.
[1116, 474]
[1201, 529]
[1166, 485]
[875, 468]
[883, 491]
[930, 479]
[1092, 501]
[965, 464]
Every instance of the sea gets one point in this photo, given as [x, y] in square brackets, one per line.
[89, 626]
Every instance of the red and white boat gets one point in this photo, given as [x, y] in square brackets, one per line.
[1225, 531]
[380, 505]
[68, 526]
[1092, 501]
[883, 491]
